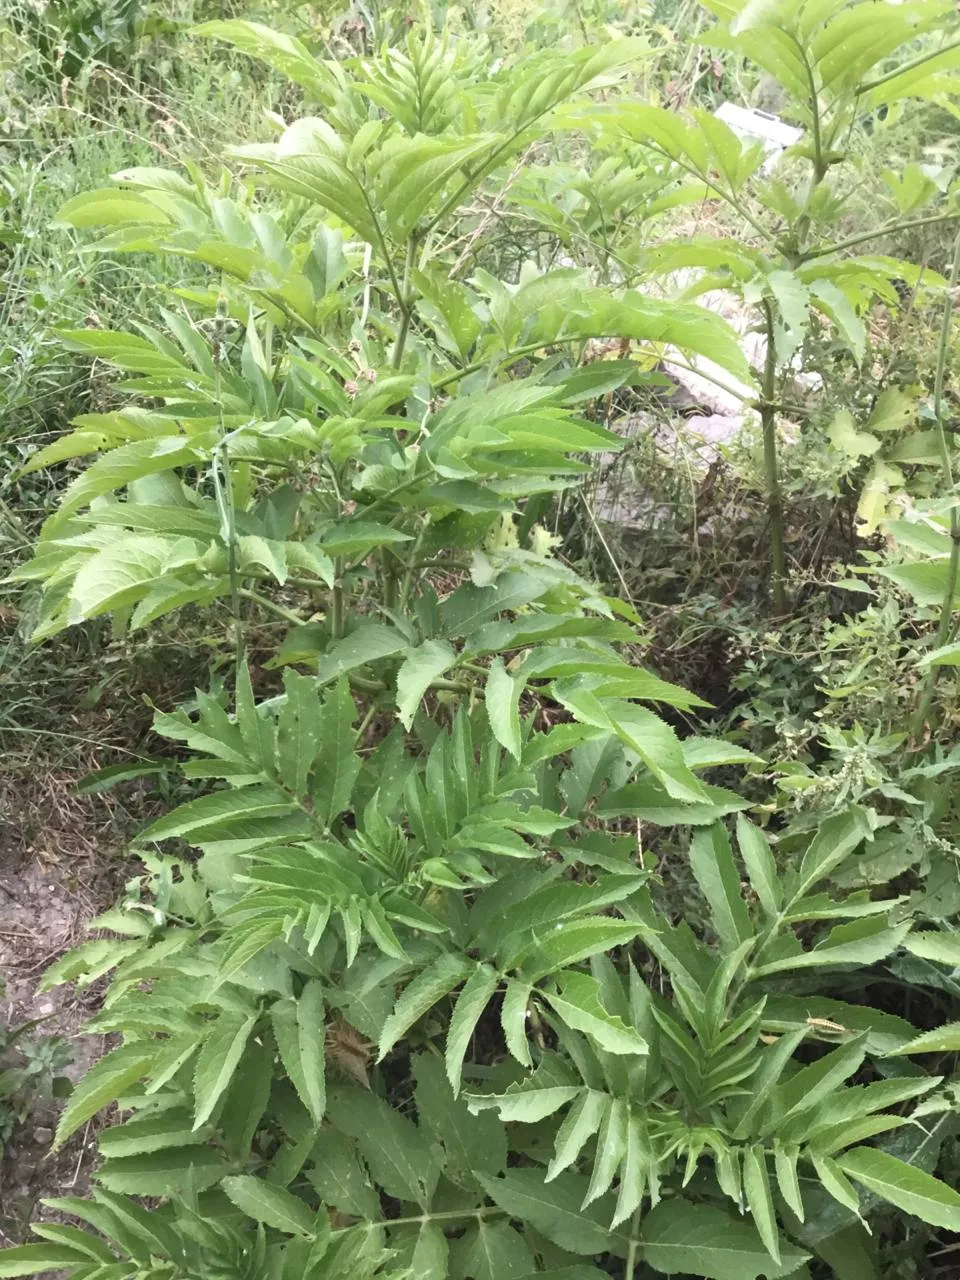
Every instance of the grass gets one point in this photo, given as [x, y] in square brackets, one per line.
[178, 100]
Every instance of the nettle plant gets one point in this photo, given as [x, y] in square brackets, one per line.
[844, 70]
[417, 1009]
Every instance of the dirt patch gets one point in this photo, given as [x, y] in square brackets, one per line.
[61, 864]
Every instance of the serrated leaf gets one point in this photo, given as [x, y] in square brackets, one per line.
[471, 1141]
[437, 980]
[420, 668]
[756, 1186]
[905, 1186]
[492, 1251]
[400, 1157]
[503, 701]
[569, 943]
[34, 1259]
[286, 53]
[272, 1205]
[785, 1164]
[369, 643]
[945, 1039]
[299, 1028]
[835, 840]
[513, 1020]
[699, 1240]
[579, 1125]
[711, 859]
[554, 1210]
[218, 1059]
[931, 944]
[106, 1081]
[793, 301]
[761, 868]
[471, 1002]
[578, 1004]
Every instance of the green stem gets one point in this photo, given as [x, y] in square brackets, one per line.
[266, 603]
[447, 1215]
[943, 443]
[403, 299]
[336, 601]
[893, 228]
[768, 419]
[633, 1247]
[907, 66]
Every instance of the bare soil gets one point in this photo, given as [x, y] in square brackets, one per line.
[61, 864]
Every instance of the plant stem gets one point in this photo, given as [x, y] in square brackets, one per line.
[403, 300]
[633, 1246]
[266, 603]
[907, 66]
[953, 568]
[336, 602]
[768, 419]
[893, 228]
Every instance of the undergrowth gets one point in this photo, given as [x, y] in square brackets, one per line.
[557, 871]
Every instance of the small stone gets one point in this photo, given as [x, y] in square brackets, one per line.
[43, 1135]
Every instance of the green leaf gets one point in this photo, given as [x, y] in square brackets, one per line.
[472, 1142]
[756, 1186]
[492, 1251]
[285, 53]
[905, 1186]
[554, 1210]
[863, 941]
[578, 1004]
[272, 1205]
[761, 868]
[793, 301]
[400, 1157]
[173, 1171]
[574, 942]
[806, 1087]
[503, 701]
[711, 859]
[337, 765]
[947, 655]
[218, 1059]
[298, 731]
[579, 1125]
[513, 1020]
[525, 1103]
[945, 1039]
[369, 643]
[106, 1081]
[34, 1259]
[931, 944]
[697, 1239]
[424, 1249]
[835, 840]
[198, 817]
[785, 1163]
[471, 1002]
[434, 982]
[299, 1028]
[420, 668]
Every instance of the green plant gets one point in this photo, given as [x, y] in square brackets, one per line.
[30, 1068]
[789, 259]
[413, 1001]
